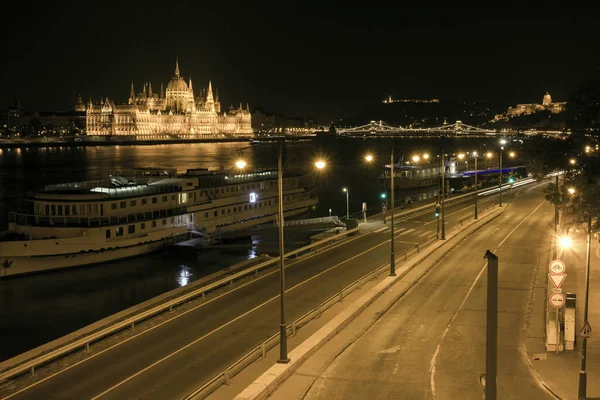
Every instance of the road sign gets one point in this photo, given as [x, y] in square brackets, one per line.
[556, 290]
[557, 267]
[557, 300]
[586, 330]
[557, 279]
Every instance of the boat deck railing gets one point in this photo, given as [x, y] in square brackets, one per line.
[73, 221]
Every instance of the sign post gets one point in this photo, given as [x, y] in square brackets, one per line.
[491, 343]
[556, 298]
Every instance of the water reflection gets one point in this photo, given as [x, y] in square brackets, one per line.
[184, 275]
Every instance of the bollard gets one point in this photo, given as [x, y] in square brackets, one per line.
[318, 312]
[171, 309]
[341, 295]
[406, 256]
[418, 248]
[227, 375]
[132, 325]
[294, 328]
[32, 371]
[87, 346]
[263, 348]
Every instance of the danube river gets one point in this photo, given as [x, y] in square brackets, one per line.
[39, 308]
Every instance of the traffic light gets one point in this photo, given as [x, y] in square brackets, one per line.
[383, 195]
[437, 209]
[511, 180]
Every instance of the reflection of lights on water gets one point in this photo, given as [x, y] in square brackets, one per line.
[184, 275]
[252, 253]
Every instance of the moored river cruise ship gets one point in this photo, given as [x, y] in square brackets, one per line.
[81, 223]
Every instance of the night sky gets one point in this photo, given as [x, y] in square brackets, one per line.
[310, 59]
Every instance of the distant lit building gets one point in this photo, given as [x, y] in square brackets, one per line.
[178, 111]
[524, 109]
[13, 118]
[389, 100]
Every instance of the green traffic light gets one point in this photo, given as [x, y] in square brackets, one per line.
[383, 195]
[511, 180]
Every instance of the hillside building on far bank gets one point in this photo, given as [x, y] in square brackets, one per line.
[521, 109]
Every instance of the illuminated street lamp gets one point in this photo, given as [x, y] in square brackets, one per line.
[320, 164]
[572, 161]
[369, 158]
[571, 190]
[564, 242]
[416, 158]
[345, 190]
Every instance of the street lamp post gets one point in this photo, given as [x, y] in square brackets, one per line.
[582, 372]
[320, 164]
[283, 356]
[502, 142]
[392, 255]
[345, 190]
[476, 187]
[443, 194]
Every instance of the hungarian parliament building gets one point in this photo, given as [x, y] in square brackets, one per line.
[176, 113]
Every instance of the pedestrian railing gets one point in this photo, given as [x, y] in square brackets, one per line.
[87, 340]
[260, 351]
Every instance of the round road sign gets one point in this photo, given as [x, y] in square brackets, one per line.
[557, 267]
[557, 300]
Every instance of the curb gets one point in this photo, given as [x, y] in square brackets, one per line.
[268, 382]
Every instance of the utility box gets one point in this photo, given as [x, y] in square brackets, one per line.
[351, 223]
[570, 333]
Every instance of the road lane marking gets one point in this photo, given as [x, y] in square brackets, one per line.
[233, 320]
[380, 229]
[174, 317]
[438, 348]
[424, 233]
[405, 233]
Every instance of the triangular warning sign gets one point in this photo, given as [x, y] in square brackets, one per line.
[586, 330]
[557, 280]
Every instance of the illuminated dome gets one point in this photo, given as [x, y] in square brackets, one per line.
[177, 84]
[547, 99]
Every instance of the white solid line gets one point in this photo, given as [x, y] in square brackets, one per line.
[380, 229]
[439, 346]
[171, 319]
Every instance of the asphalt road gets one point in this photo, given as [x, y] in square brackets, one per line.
[431, 343]
[176, 356]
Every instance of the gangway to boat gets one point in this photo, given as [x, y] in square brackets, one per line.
[308, 224]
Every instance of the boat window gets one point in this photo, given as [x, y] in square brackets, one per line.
[47, 209]
[60, 212]
[101, 209]
[215, 214]
[164, 221]
[143, 226]
[154, 224]
[67, 210]
[205, 215]
[144, 201]
[132, 203]
[123, 204]
[223, 212]
[164, 199]
[154, 200]
[246, 207]
[108, 233]
[131, 229]
[113, 206]
[119, 231]
[74, 209]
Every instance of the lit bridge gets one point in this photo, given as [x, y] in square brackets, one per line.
[380, 128]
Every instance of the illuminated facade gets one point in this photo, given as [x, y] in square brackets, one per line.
[521, 109]
[176, 112]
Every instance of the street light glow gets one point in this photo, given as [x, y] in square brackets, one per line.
[502, 141]
[572, 161]
[474, 154]
[461, 156]
[489, 155]
[344, 190]
[369, 157]
[416, 158]
[571, 190]
[320, 164]
[565, 242]
[426, 156]
[240, 163]
[512, 154]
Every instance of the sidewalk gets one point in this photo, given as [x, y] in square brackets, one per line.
[559, 373]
